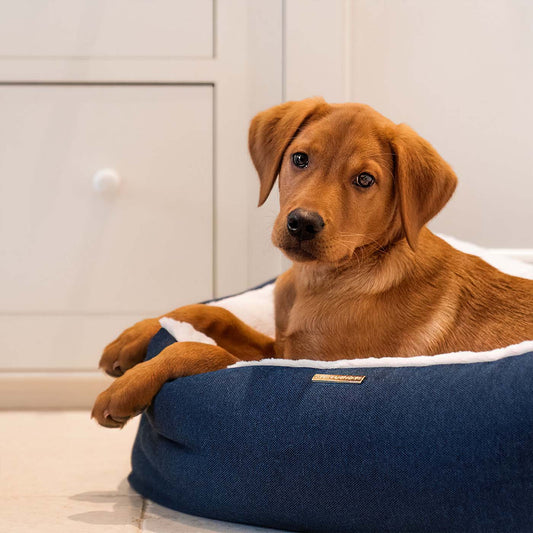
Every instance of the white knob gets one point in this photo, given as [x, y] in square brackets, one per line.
[106, 180]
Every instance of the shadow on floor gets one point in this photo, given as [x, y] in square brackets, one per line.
[129, 508]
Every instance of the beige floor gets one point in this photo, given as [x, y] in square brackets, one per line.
[60, 472]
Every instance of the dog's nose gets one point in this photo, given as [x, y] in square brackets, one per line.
[304, 225]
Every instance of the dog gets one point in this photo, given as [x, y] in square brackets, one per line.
[368, 278]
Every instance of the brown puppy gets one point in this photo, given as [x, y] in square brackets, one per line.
[368, 279]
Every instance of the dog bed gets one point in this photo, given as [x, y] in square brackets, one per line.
[442, 443]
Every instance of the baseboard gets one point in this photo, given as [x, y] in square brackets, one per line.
[50, 390]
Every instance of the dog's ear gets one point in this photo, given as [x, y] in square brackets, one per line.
[271, 133]
[423, 180]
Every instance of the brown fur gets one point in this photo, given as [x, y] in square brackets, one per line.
[374, 282]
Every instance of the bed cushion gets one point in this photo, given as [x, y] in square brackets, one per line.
[441, 443]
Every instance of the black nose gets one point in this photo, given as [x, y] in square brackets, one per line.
[304, 225]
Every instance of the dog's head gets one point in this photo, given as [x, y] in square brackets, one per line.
[348, 177]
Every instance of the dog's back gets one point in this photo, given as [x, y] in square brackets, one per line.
[494, 309]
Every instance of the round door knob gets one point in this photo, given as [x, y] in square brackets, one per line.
[106, 180]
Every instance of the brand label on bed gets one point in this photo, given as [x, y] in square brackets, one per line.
[338, 378]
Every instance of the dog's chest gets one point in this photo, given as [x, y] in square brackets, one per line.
[322, 329]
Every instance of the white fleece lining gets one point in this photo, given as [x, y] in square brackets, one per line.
[454, 358]
[183, 331]
[256, 308]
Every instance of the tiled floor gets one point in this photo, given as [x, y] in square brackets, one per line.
[60, 472]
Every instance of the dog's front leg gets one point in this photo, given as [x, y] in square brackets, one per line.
[131, 393]
[129, 349]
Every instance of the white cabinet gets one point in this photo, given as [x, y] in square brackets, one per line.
[161, 92]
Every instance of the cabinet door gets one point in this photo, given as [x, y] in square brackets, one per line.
[71, 255]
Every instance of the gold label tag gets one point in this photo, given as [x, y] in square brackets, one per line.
[338, 378]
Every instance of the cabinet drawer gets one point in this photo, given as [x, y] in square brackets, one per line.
[103, 28]
[66, 248]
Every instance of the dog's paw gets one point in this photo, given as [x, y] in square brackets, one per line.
[129, 348]
[128, 396]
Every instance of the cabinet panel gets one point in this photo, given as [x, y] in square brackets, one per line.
[100, 28]
[66, 248]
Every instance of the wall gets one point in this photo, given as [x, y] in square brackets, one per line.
[460, 73]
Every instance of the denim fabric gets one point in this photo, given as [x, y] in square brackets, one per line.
[441, 448]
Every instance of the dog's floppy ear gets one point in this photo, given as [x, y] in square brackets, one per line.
[271, 132]
[424, 181]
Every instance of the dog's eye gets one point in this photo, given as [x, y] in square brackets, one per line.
[364, 180]
[300, 159]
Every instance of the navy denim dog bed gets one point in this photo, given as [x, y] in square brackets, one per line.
[430, 448]
[422, 444]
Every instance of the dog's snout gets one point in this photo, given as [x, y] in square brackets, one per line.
[304, 225]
